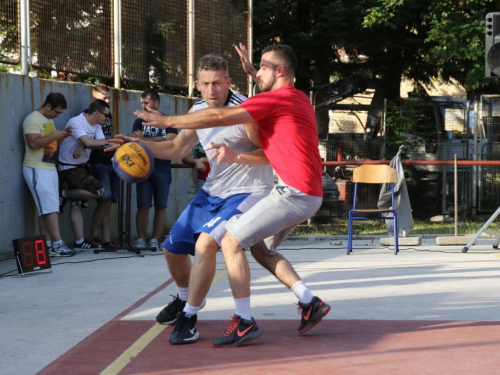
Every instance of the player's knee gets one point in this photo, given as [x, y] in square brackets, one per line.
[206, 246]
[229, 244]
[206, 250]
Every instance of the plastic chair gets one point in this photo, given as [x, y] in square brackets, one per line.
[373, 174]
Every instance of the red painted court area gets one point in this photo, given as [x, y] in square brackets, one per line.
[333, 347]
[420, 312]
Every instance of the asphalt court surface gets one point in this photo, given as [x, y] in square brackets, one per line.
[430, 309]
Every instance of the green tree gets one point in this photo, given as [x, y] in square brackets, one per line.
[421, 40]
[446, 39]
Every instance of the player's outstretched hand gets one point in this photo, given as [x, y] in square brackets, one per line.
[119, 140]
[151, 117]
[222, 153]
[245, 60]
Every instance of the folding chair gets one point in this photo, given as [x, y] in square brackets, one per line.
[373, 174]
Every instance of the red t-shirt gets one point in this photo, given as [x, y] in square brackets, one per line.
[289, 137]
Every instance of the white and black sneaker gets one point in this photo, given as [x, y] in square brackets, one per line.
[168, 315]
[85, 245]
[185, 331]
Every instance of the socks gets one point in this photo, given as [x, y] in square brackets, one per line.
[243, 307]
[182, 293]
[190, 309]
[80, 241]
[302, 292]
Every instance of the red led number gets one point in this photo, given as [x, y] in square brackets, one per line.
[40, 252]
[28, 254]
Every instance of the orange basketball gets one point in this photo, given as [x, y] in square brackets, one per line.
[133, 162]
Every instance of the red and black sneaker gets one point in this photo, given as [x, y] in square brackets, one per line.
[240, 331]
[312, 313]
[111, 245]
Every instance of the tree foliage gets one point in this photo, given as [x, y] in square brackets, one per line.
[421, 40]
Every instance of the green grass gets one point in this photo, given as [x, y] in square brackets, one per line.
[378, 228]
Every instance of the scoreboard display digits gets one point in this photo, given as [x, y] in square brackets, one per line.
[31, 254]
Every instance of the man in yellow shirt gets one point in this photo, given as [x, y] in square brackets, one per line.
[39, 168]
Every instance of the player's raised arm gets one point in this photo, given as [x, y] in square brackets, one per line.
[206, 118]
[248, 68]
[174, 149]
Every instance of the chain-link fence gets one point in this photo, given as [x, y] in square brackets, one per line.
[72, 37]
[155, 42]
[78, 37]
[219, 25]
[10, 36]
[435, 131]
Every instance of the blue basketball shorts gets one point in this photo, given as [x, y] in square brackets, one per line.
[206, 214]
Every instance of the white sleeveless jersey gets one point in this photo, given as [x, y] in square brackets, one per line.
[227, 179]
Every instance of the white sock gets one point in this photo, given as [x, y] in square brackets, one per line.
[58, 243]
[63, 193]
[49, 244]
[302, 292]
[182, 293]
[190, 309]
[243, 307]
[79, 242]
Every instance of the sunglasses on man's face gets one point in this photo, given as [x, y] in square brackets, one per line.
[105, 114]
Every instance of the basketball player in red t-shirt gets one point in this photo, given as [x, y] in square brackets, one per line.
[287, 129]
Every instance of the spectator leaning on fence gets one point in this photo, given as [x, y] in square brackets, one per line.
[73, 158]
[158, 182]
[41, 140]
[102, 170]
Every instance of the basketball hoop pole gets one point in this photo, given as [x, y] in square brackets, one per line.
[483, 228]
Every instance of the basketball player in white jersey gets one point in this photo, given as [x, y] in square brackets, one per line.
[231, 189]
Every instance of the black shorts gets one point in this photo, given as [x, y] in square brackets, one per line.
[80, 178]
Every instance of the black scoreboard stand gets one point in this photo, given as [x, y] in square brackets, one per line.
[124, 211]
[31, 254]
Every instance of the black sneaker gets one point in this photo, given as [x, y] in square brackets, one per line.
[240, 331]
[185, 331]
[169, 313]
[312, 313]
[85, 245]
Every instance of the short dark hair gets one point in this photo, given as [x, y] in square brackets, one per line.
[284, 55]
[152, 93]
[56, 99]
[212, 62]
[97, 106]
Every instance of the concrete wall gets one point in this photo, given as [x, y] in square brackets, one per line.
[20, 96]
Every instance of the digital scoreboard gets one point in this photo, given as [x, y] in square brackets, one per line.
[31, 254]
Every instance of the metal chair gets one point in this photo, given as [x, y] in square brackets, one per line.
[373, 174]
